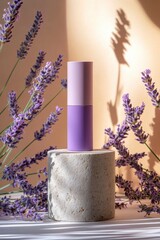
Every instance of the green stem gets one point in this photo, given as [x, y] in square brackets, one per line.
[6, 83]
[33, 139]
[152, 152]
[19, 153]
[4, 193]
[30, 174]
[28, 104]
[4, 153]
[1, 46]
[2, 149]
[8, 185]
[51, 100]
[5, 159]
[5, 129]
[39, 111]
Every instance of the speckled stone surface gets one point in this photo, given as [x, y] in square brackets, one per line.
[81, 185]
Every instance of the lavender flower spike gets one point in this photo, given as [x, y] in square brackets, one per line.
[133, 118]
[14, 133]
[9, 17]
[13, 104]
[35, 68]
[64, 83]
[24, 47]
[117, 140]
[46, 76]
[150, 86]
[52, 119]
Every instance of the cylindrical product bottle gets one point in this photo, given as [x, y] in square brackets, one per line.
[79, 109]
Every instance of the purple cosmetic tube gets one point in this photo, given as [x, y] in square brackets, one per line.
[79, 109]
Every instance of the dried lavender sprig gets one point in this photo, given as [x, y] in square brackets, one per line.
[9, 172]
[13, 106]
[133, 118]
[133, 115]
[64, 83]
[150, 209]
[116, 140]
[14, 133]
[31, 207]
[129, 191]
[10, 15]
[52, 119]
[148, 180]
[25, 46]
[130, 160]
[35, 68]
[150, 86]
[47, 75]
[33, 73]
[38, 135]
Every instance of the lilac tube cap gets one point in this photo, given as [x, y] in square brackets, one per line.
[80, 133]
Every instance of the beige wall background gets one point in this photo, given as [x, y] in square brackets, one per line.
[86, 30]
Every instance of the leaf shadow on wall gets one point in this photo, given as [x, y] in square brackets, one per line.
[119, 40]
[152, 10]
[154, 139]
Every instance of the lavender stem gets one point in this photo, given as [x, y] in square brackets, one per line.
[5, 186]
[51, 100]
[152, 151]
[4, 193]
[19, 153]
[7, 81]
[5, 159]
[40, 110]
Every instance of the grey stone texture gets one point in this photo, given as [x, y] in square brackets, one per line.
[81, 185]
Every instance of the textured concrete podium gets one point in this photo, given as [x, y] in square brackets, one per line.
[81, 185]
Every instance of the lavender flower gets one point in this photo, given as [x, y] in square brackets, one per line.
[37, 101]
[130, 160]
[14, 133]
[150, 86]
[10, 15]
[64, 83]
[116, 140]
[24, 47]
[31, 207]
[129, 191]
[10, 172]
[13, 104]
[46, 76]
[133, 118]
[52, 119]
[35, 68]
[149, 209]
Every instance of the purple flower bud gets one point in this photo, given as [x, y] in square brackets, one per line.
[13, 104]
[46, 76]
[133, 118]
[25, 46]
[35, 68]
[14, 133]
[52, 119]
[64, 83]
[150, 86]
[10, 15]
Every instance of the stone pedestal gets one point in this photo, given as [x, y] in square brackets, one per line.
[81, 185]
